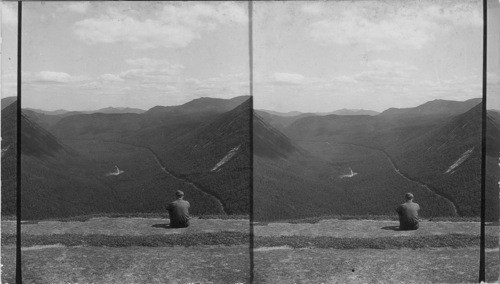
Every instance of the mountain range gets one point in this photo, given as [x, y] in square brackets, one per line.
[79, 163]
[304, 164]
[102, 110]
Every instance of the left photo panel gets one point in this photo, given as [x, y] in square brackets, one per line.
[135, 147]
[8, 85]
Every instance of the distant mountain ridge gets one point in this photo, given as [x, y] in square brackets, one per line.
[343, 111]
[203, 104]
[196, 105]
[351, 112]
[49, 112]
[435, 107]
[102, 110]
[290, 113]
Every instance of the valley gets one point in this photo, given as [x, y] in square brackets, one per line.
[423, 191]
[90, 163]
[364, 164]
[84, 145]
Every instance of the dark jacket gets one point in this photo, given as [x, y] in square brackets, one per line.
[179, 213]
[408, 215]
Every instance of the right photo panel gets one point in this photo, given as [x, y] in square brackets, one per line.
[492, 179]
[367, 142]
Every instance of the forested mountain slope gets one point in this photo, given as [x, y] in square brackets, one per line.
[204, 147]
[437, 144]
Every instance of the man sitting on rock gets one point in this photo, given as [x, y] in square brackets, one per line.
[408, 214]
[178, 211]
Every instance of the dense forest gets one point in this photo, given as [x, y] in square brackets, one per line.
[9, 157]
[492, 165]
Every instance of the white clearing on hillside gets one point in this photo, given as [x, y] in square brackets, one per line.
[118, 172]
[349, 175]
[460, 160]
[4, 150]
[272, 248]
[39, 247]
[226, 158]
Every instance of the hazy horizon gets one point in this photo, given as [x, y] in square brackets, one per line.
[410, 106]
[117, 107]
[261, 109]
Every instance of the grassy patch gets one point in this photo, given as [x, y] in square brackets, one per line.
[158, 215]
[449, 240]
[240, 238]
[314, 220]
[9, 217]
[83, 218]
[224, 217]
[187, 240]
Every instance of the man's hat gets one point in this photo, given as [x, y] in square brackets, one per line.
[179, 193]
[408, 196]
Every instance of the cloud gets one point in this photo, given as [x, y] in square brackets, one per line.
[385, 72]
[148, 70]
[50, 77]
[389, 65]
[149, 63]
[76, 7]
[9, 14]
[460, 14]
[312, 8]
[287, 78]
[223, 86]
[386, 26]
[174, 25]
[111, 78]
[377, 90]
[345, 79]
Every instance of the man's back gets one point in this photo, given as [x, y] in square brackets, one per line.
[408, 215]
[179, 213]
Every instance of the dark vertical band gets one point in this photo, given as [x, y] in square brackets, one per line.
[18, 148]
[482, 266]
[250, 53]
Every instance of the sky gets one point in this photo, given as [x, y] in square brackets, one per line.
[85, 56]
[493, 56]
[320, 56]
[310, 56]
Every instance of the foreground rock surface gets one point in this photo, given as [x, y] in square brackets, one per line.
[368, 229]
[231, 263]
[126, 227]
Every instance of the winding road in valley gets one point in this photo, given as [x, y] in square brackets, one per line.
[426, 187]
[164, 169]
